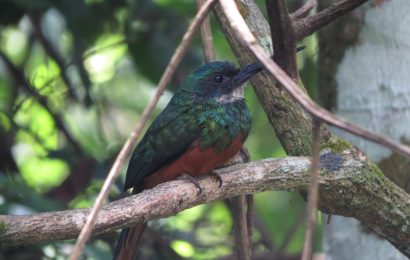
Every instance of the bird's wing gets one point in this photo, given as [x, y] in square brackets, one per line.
[171, 133]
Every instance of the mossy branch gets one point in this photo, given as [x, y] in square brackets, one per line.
[349, 186]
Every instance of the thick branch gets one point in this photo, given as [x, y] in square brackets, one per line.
[349, 186]
[284, 44]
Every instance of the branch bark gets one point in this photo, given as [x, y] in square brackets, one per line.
[344, 188]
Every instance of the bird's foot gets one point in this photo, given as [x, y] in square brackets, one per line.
[217, 177]
[193, 181]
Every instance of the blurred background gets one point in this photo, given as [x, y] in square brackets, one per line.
[74, 79]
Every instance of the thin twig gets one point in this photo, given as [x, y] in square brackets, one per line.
[303, 11]
[313, 192]
[238, 209]
[241, 208]
[206, 36]
[306, 26]
[247, 38]
[250, 210]
[126, 150]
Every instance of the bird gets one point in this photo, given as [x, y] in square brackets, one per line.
[203, 126]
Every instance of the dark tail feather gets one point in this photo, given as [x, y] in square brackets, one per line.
[127, 244]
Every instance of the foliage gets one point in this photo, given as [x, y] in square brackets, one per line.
[93, 65]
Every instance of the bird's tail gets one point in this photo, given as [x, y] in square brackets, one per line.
[127, 244]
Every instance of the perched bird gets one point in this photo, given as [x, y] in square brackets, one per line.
[203, 126]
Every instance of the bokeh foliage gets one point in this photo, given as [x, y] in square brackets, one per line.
[74, 79]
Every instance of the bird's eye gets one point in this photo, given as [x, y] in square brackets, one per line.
[219, 78]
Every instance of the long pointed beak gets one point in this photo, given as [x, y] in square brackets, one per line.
[246, 72]
[249, 70]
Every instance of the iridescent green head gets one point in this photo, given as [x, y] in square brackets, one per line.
[220, 80]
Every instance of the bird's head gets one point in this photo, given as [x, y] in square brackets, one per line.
[220, 80]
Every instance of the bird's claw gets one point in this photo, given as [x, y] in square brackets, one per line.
[193, 181]
[217, 177]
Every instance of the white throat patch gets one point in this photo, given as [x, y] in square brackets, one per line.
[235, 95]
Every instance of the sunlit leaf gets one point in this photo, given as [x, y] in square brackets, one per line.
[43, 174]
[109, 50]
[42, 76]
[39, 122]
[183, 248]
[13, 42]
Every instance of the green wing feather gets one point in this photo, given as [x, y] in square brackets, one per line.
[171, 133]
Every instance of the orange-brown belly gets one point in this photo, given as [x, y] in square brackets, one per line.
[195, 162]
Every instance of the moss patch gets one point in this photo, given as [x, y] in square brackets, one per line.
[376, 170]
[3, 227]
[336, 145]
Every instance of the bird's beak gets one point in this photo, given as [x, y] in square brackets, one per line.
[245, 72]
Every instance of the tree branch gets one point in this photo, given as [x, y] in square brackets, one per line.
[284, 44]
[348, 185]
[303, 11]
[243, 249]
[206, 36]
[306, 26]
